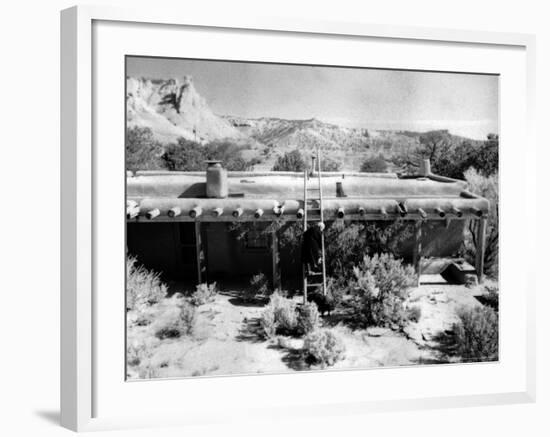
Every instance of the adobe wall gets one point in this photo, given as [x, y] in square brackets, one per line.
[229, 258]
[168, 248]
[159, 247]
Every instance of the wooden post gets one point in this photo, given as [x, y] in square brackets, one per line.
[275, 259]
[417, 251]
[480, 249]
[304, 273]
[198, 247]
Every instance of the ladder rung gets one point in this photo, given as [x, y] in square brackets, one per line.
[313, 205]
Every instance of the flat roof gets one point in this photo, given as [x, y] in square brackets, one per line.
[281, 195]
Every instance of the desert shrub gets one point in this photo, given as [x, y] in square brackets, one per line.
[485, 186]
[186, 318]
[335, 291]
[177, 323]
[330, 164]
[491, 297]
[143, 317]
[414, 313]
[450, 156]
[375, 164]
[186, 155]
[286, 315]
[387, 237]
[229, 154]
[476, 334]
[135, 353]
[347, 243]
[143, 152]
[290, 161]
[308, 318]
[259, 285]
[139, 357]
[143, 286]
[486, 158]
[203, 294]
[379, 289]
[324, 347]
[280, 316]
[267, 322]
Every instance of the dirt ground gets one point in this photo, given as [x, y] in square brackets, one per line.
[227, 339]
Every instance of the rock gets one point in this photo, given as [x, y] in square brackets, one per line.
[376, 331]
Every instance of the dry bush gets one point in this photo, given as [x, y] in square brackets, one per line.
[178, 322]
[374, 164]
[476, 334]
[268, 323]
[335, 289]
[485, 186]
[346, 243]
[139, 355]
[143, 286]
[308, 318]
[379, 289]
[279, 316]
[324, 347]
[492, 297]
[204, 294]
[259, 285]
[143, 151]
[282, 316]
[286, 316]
[290, 161]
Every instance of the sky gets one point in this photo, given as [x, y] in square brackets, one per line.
[465, 104]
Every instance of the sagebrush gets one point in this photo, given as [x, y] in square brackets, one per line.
[379, 289]
[204, 293]
[485, 186]
[476, 334]
[143, 286]
[347, 243]
[259, 285]
[282, 316]
[324, 347]
[308, 318]
[178, 322]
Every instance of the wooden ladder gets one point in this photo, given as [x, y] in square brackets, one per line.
[313, 212]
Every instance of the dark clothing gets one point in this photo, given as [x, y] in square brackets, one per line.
[311, 247]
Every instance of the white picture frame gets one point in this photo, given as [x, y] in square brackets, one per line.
[83, 390]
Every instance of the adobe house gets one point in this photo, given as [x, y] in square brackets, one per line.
[179, 223]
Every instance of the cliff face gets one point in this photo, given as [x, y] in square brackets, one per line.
[173, 108]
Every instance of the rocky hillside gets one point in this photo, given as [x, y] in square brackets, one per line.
[282, 134]
[173, 108]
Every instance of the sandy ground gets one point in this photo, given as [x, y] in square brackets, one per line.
[226, 339]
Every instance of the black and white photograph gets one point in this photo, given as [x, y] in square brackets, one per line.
[288, 218]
